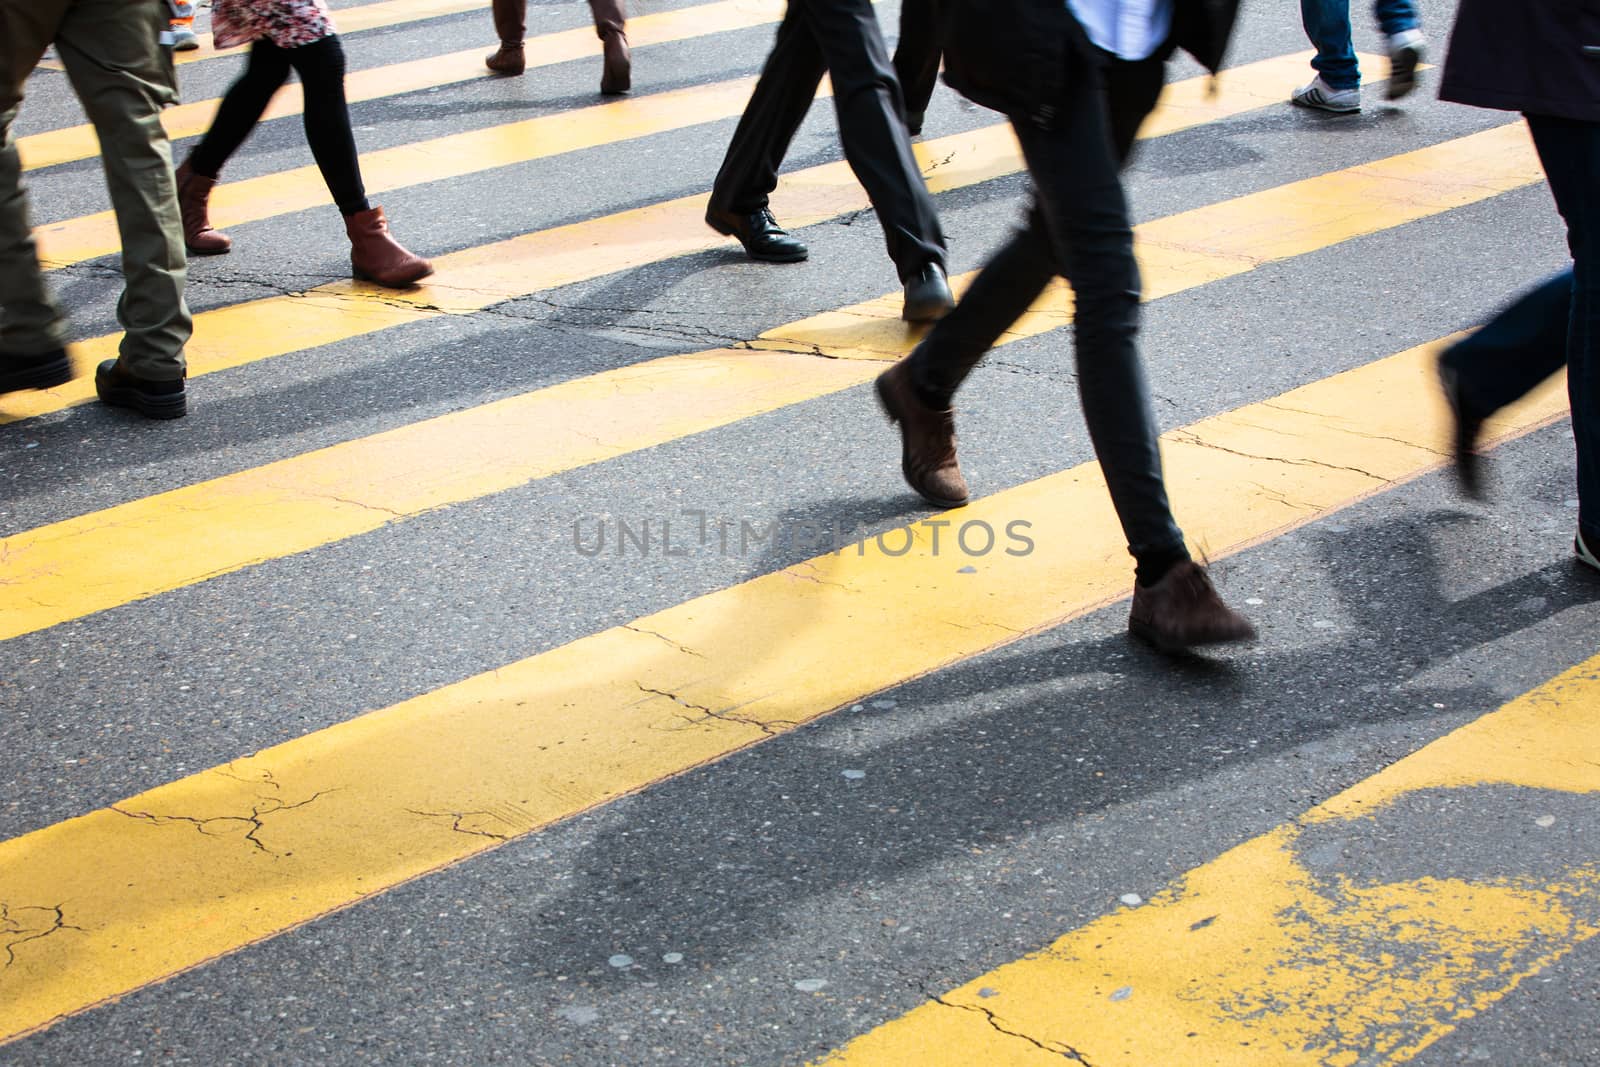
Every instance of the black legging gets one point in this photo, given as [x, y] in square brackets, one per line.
[320, 66]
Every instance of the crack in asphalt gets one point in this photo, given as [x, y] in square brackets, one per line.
[456, 825]
[767, 728]
[1061, 1049]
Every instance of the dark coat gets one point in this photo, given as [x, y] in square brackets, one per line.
[1541, 57]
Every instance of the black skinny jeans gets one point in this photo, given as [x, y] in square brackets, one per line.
[1078, 227]
[320, 66]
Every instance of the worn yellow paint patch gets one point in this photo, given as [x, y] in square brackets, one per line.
[475, 278]
[205, 865]
[1252, 959]
[90, 236]
[73, 568]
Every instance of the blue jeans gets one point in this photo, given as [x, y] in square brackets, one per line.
[1557, 323]
[1327, 23]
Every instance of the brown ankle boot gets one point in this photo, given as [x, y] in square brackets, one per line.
[194, 194]
[616, 77]
[508, 25]
[928, 440]
[376, 256]
[1183, 610]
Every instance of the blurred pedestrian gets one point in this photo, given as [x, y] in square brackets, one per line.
[916, 58]
[1337, 86]
[610, 22]
[839, 38]
[1076, 84]
[1542, 59]
[123, 76]
[293, 35]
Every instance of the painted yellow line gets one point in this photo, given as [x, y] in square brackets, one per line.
[476, 278]
[90, 236]
[355, 19]
[168, 879]
[192, 119]
[1257, 959]
[71, 568]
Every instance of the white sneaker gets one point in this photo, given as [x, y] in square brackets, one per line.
[1319, 94]
[184, 40]
[1405, 52]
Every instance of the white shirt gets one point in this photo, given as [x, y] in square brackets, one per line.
[1128, 29]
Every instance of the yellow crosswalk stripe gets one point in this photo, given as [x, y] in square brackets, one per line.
[480, 277]
[1258, 959]
[75, 240]
[71, 568]
[192, 119]
[165, 880]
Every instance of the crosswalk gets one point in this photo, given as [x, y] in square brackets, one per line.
[694, 609]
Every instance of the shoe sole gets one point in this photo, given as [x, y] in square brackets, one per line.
[932, 313]
[1585, 557]
[1328, 108]
[894, 420]
[1150, 636]
[41, 376]
[1403, 71]
[151, 406]
[728, 231]
[363, 276]
[193, 251]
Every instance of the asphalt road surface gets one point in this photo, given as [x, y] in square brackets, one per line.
[549, 666]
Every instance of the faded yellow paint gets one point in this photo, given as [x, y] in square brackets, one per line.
[72, 568]
[1252, 959]
[192, 119]
[476, 278]
[205, 865]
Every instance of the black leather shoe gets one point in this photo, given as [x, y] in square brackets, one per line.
[34, 372]
[759, 232]
[914, 120]
[927, 295]
[153, 400]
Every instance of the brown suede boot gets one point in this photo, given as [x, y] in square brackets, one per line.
[377, 257]
[928, 440]
[508, 23]
[194, 195]
[1183, 611]
[610, 22]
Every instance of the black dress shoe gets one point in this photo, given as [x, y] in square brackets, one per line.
[153, 400]
[759, 232]
[1465, 430]
[927, 295]
[914, 120]
[34, 372]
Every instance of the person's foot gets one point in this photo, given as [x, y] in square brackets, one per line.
[184, 40]
[1465, 428]
[41, 371]
[1183, 611]
[927, 439]
[1321, 96]
[1405, 52]
[914, 120]
[927, 295]
[1585, 556]
[153, 400]
[194, 209]
[616, 75]
[510, 59]
[759, 232]
[376, 256]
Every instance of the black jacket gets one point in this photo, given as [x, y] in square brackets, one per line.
[1541, 57]
[1012, 55]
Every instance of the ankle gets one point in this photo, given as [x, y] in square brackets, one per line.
[1152, 566]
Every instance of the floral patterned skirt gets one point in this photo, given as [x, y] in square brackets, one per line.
[286, 23]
